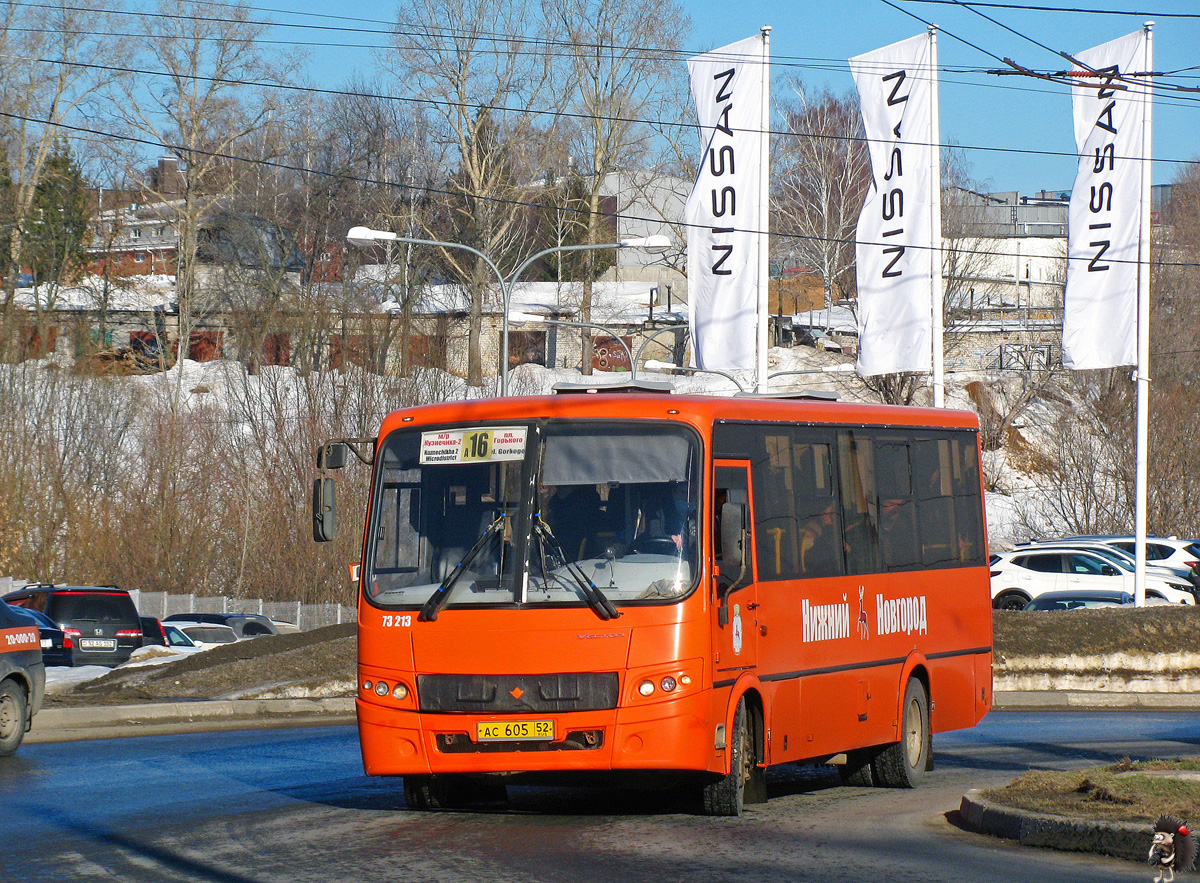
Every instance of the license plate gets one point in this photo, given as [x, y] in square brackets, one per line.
[97, 643]
[47, 643]
[515, 731]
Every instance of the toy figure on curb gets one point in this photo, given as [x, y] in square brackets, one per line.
[1174, 848]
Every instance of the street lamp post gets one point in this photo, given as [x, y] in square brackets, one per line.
[839, 368]
[364, 237]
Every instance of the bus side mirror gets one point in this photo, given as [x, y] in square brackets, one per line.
[332, 455]
[324, 510]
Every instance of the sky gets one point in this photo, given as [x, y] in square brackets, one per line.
[1015, 131]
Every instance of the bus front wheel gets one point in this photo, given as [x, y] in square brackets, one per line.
[746, 781]
[449, 792]
[903, 764]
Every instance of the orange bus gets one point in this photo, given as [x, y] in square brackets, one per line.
[593, 588]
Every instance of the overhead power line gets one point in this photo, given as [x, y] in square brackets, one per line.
[342, 93]
[282, 166]
[1081, 10]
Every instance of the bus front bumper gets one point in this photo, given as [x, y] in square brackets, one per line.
[671, 735]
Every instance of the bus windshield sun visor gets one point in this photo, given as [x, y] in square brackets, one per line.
[613, 456]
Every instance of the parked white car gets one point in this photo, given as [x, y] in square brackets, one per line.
[1180, 555]
[1118, 556]
[205, 634]
[1023, 574]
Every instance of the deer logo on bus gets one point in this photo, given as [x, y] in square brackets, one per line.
[864, 627]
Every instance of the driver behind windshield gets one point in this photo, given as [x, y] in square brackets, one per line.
[663, 515]
[573, 512]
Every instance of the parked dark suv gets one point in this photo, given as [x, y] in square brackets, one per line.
[102, 621]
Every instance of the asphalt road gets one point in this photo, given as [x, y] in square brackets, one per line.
[293, 805]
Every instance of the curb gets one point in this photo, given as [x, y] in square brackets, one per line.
[1125, 840]
[112, 721]
[1088, 700]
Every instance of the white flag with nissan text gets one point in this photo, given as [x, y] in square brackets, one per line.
[897, 89]
[723, 213]
[1100, 305]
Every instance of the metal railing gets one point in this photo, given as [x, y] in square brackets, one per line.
[303, 616]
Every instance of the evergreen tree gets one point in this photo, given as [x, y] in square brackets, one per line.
[56, 244]
[7, 217]
[562, 220]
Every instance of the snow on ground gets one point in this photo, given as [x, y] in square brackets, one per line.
[63, 678]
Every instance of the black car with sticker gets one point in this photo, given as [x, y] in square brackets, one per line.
[22, 676]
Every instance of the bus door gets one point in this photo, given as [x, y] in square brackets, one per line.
[733, 593]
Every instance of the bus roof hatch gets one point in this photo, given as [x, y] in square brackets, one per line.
[634, 385]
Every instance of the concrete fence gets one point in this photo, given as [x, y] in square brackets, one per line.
[304, 616]
[163, 604]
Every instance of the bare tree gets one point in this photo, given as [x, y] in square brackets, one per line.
[473, 63]
[52, 64]
[821, 174]
[201, 107]
[617, 88]
[1175, 349]
[389, 168]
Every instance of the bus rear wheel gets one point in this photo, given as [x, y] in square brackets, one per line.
[903, 764]
[857, 768]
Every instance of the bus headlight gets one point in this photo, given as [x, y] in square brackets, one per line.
[400, 691]
[667, 684]
[381, 689]
[646, 688]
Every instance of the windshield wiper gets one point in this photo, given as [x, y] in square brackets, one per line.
[429, 611]
[595, 598]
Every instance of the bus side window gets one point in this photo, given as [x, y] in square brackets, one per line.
[856, 478]
[897, 509]
[932, 477]
[816, 511]
[967, 523]
[779, 548]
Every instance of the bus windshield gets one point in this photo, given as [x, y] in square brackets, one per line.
[547, 513]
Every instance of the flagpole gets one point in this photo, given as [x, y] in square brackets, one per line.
[764, 204]
[1143, 334]
[935, 224]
